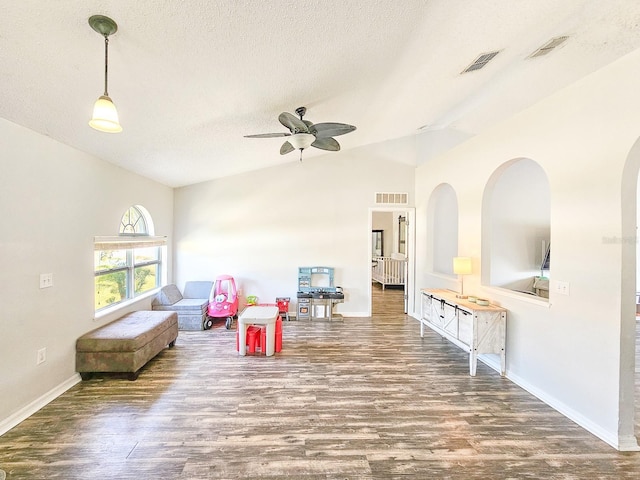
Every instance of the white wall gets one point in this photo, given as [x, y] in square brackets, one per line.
[260, 227]
[53, 201]
[567, 352]
[442, 242]
[384, 221]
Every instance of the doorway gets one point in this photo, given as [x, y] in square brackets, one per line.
[391, 247]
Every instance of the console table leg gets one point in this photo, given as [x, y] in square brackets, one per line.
[473, 362]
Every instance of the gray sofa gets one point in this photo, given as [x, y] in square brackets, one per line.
[191, 305]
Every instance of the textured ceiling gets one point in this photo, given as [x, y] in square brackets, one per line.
[191, 78]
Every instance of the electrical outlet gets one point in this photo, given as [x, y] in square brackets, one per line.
[46, 280]
[42, 356]
[561, 287]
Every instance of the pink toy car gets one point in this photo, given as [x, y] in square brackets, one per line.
[223, 300]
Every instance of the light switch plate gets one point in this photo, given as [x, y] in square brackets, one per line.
[42, 356]
[46, 280]
[561, 287]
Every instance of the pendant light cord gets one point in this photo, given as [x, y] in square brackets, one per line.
[106, 63]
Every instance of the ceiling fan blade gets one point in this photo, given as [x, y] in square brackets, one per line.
[286, 148]
[268, 135]
[293, 123]
[326, 144]
[330, 129]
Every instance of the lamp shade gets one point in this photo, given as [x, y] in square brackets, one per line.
[300, 141]
[105, 116]
[462, 265]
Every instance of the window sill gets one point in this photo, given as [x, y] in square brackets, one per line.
[124, 305]
[505, 292]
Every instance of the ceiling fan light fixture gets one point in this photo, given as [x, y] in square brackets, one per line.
[300, 141]
[105, 116]
[305, 134]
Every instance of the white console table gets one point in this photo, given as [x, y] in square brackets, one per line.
[475, 328]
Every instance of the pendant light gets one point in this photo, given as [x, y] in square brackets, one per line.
[105, 115]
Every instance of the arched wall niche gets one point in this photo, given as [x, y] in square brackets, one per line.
[516, 219]
[442, 221]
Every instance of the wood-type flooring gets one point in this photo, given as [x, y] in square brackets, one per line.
[356, 398]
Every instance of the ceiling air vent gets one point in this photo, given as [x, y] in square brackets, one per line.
[548, 47]
[480, 62]
[392, 198]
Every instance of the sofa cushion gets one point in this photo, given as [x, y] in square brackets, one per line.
[128, 333]
[197, 289]
[168, 295]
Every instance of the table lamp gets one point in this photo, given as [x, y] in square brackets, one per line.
[461, 266]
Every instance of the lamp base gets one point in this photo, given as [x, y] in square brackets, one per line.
[462, 296]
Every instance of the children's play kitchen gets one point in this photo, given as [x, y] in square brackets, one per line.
[317, 294]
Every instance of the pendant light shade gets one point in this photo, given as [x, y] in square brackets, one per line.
[105, 115]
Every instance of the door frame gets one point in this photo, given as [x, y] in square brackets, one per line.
[409, 288]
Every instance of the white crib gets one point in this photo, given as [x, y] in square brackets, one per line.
[388, 271]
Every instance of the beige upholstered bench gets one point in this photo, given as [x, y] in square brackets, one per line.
[126, 344]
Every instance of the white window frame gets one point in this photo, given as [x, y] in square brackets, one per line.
[129, 241]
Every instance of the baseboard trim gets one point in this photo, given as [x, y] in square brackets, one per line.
[620, 443]
[25, 412]
[605, 435]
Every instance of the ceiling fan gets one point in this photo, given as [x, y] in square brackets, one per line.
[303, 133]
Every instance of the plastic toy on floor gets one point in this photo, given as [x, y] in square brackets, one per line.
[223, 300]
[283, 306]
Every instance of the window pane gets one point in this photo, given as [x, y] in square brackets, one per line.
[109, 259]
[133, 222]
[146, 278]
[142, 255]
[110, 288]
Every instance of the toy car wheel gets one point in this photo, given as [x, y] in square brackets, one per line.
[208, 323]
[228, 324]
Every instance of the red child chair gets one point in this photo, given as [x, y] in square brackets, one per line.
[283, 306]
[262, 344]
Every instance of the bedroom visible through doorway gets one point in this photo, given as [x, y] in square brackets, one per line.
[390, 249]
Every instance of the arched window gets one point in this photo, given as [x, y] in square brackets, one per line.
[129, 264]
[133, 222]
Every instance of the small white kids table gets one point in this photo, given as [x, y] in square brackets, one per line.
[258, 315]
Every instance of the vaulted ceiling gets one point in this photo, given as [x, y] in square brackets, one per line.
[190, 78]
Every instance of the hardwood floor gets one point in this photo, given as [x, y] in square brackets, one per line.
[358, 398]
